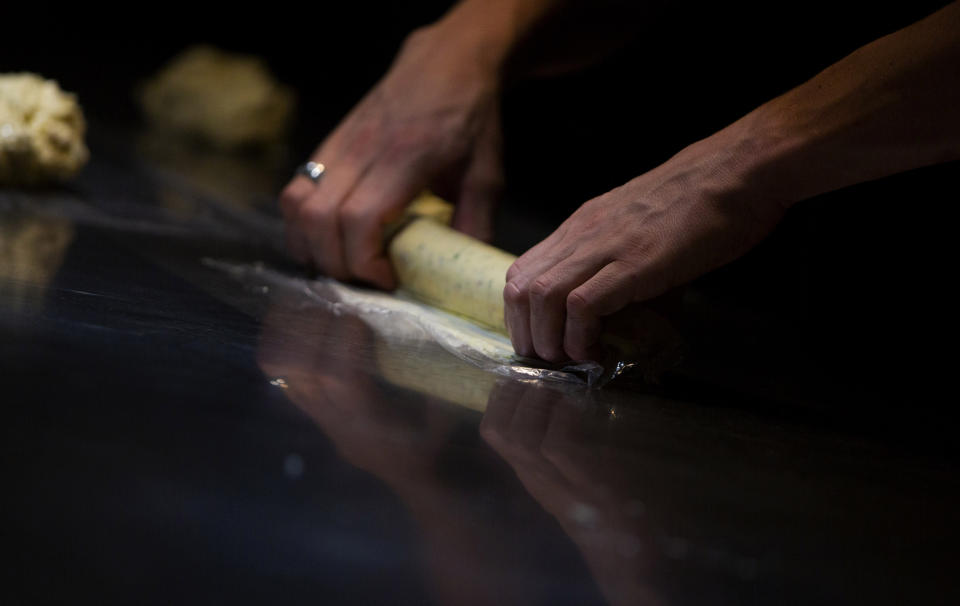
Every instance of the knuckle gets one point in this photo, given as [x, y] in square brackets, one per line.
[579, 304]
[365, 136]
[404, 140]
[313, 216]
[351, 215]
[542, 289]
[396, 156]
[514, 294]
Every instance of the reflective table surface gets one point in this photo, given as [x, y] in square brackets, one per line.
[172, 435]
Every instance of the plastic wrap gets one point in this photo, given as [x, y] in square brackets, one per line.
[398, 317]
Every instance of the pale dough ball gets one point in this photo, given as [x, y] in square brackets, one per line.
[41, 131]
[224, 99]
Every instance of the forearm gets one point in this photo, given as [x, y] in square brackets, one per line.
[890, 106]
[542, 37]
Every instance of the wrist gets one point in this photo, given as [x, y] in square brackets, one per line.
[758, 159]
[488, 31]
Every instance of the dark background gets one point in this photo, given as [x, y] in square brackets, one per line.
[683, 70]
[854, 284]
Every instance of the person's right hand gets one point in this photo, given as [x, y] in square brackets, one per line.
[431, 122]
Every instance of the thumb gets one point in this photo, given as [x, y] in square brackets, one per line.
[474, 212]
[482, 183]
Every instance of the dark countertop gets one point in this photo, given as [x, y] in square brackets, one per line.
[172, 436]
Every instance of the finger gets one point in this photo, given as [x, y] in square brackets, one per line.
[293, 195]
[482, 184]
[346, 153]
[378, 199]
[611, 289]
[534, 260]
[548, 304]
[300, 187]
[548, 251]
[516, 315]
[475, 208]
[319, 215]
[290, 200]
[296, 243]
[516, 295]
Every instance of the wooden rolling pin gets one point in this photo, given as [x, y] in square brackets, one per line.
[448, 269]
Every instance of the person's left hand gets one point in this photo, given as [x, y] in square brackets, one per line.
[658, 231]
[432, 122]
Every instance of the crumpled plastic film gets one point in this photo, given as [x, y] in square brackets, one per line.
[397, 316]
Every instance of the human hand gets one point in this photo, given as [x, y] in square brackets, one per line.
[431, 122]
[636, 242]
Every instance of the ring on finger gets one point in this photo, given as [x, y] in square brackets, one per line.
[312, 170]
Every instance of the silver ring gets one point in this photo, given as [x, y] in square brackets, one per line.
[312, 171]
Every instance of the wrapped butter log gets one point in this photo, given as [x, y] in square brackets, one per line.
[452, 271]
[41, 131]
[448, 269]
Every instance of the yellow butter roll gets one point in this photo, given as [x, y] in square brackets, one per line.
[452, 271]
